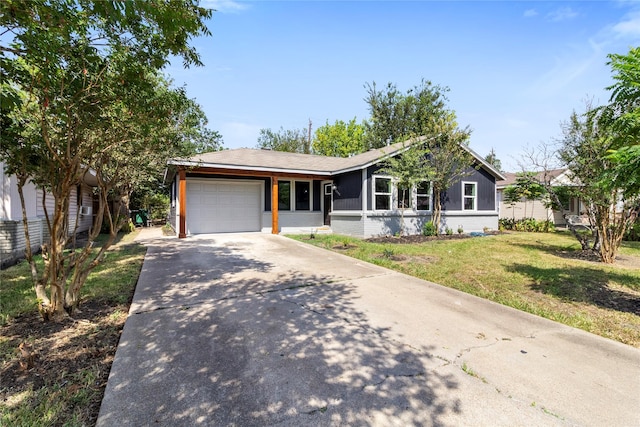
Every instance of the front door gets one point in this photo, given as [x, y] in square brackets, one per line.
[328, 191]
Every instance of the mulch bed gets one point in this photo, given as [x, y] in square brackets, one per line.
[419, 238]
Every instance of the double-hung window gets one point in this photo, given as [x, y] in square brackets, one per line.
[382, 193]
[423, 196]
[469, 196]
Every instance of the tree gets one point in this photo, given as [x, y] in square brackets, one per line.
[84, 94]
[621, 119]
[290, 140]
[493, 160]
[528, 188]
[450, 160]
[397, 116]
[340, 139]
[512, 196]
[422, 112]
[408, 169]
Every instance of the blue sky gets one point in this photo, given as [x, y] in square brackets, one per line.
[515, 70]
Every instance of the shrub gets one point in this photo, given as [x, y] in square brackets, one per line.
[460, 229]
[526, 224]
[448, 231]
[633, 233]
[429, 229]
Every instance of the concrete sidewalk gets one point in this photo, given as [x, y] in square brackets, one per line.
[255, 329]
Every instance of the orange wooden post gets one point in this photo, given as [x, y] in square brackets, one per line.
[274, 205]
[182, 185]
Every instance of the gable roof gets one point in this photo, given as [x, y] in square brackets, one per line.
[511, 177]
[279, 161]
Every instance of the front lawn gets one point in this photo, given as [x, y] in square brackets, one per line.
[543, 274]
[65, 379]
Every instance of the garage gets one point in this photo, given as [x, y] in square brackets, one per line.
[223, 206]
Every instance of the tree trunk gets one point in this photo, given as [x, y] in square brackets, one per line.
[437, 209]
[38, 285]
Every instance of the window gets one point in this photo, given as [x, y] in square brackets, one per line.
[423, 196]
[382, 193]
[469, 196]
[303, 196]
[404, 198]
[284, 195]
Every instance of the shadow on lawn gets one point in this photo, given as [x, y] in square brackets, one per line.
[584, 284]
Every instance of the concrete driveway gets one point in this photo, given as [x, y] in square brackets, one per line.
[255, 329]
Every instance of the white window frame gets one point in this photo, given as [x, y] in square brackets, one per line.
[474, 197]
[375, 193]
[429, 196]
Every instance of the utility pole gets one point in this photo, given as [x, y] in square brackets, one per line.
[308, 151]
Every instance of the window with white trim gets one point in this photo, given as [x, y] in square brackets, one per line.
[423, 196]
[382, 193]
[469, 196]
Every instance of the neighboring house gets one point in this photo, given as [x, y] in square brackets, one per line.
[12, 240]
[536, 208]
[271, 191]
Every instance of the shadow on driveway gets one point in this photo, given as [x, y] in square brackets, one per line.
[216, 337]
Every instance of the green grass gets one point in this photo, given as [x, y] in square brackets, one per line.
[110, 281]
[533, 272]
[73, 358]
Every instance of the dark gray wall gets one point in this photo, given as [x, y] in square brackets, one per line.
[452, 198]
[348, 196]
[317, 195]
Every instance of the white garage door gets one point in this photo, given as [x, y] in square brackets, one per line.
[222, 206]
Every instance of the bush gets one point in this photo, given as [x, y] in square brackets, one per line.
[531, 225]
[448, 231]
[633, 233]
[429, 229]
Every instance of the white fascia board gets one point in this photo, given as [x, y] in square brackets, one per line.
[189, 163]
[499, 176]
[372, 162]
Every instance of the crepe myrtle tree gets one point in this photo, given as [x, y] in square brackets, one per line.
[81, 92]
[408, 169]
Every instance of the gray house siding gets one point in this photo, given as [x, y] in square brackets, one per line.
[486, 198]
[348, 196]
[317, 194]
[347, 225]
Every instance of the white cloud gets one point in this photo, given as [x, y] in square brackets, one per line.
[530, 13]
[567, 70]
[225, 6]
[629, 27]
[562, 14]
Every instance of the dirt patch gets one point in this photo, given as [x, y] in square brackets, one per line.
[403, 258]
[344, 247]
[72, 357]
[625, 261]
